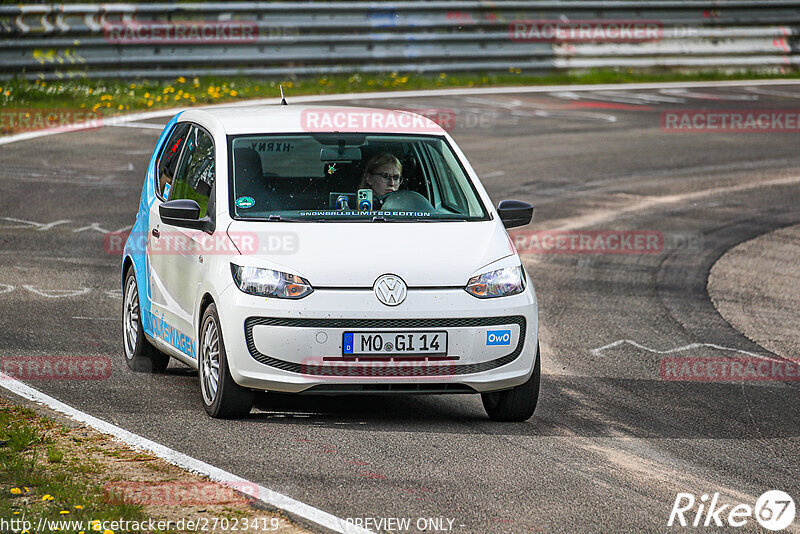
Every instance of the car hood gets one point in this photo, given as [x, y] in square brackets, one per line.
[355, 254]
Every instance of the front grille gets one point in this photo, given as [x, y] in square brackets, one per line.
[351, 370]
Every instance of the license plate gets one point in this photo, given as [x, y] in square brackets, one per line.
[394, 343]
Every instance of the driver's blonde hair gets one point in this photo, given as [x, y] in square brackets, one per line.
[376, 162]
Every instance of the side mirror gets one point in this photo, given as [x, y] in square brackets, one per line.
[184, 213]
[514, 213]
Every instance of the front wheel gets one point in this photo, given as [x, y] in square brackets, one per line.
[222, 397]
[517, 403]
[140, 355]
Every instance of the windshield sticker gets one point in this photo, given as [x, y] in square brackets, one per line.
[331, 168]
[245, 202]
[271, 147]
[364, 213]
[167, 188]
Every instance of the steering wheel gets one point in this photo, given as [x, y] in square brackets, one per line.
[406, 200]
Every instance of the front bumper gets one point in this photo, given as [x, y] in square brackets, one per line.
[296, 346]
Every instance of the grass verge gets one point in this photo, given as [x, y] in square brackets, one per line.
[73, 479]
[109, 97]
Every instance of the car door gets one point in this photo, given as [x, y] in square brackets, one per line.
[180, 266]
[157, 253]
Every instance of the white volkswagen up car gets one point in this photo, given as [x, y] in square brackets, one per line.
[327, 251]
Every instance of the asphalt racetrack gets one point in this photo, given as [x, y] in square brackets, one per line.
[615, 437]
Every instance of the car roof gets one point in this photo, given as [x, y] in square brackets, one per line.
[272, 118]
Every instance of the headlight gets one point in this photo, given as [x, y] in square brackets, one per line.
[499, 283]
[269, 283]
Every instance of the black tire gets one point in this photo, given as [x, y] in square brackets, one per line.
[518, 403]
[229, 400]
[140, 355]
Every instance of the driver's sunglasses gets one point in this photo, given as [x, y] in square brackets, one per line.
[389, 177]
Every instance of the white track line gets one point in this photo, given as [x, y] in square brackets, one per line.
[383, 95]
[599, 350]
[266, 495]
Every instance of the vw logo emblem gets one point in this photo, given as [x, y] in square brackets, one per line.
[390, 289]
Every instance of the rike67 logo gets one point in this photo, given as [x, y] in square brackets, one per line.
[774, 510]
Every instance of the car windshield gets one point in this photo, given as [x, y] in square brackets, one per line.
[349, 177]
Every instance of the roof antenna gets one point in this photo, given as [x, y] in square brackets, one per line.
[283, 100]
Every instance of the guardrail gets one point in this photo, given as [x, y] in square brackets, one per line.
[284, 38]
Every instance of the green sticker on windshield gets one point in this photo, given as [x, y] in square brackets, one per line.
[245, 202]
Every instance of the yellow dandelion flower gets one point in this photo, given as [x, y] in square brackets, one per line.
[8, 93]
[15, 491]
[120, 107]
[147, 95]
[234, 93]
[79, 507]
[48, 497]
[108, 531]
[181, 79]
[149, 103]
[132, 86]
[64, 512]
[27, 489]
[442, 75]
[16, 513]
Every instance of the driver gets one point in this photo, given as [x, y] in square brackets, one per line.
[383, 173]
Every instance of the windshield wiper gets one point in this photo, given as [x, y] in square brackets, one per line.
[380, 218]
[281, 218]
